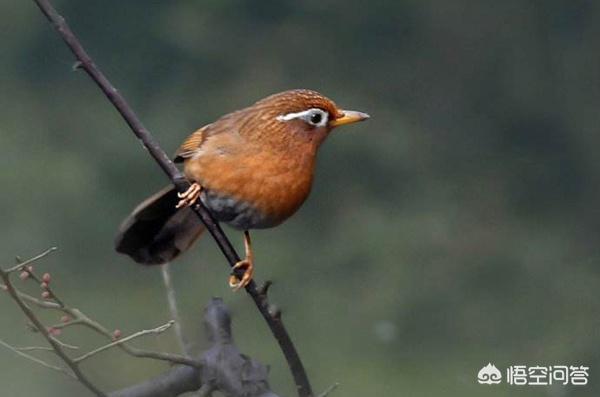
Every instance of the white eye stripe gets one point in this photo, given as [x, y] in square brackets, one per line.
[314, 116]
[291, 116]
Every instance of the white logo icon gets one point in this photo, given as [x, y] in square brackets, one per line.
[489, 375]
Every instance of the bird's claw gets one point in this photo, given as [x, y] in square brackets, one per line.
[234, 281]
[190, 196]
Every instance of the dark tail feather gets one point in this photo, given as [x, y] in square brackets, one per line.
[156, 232]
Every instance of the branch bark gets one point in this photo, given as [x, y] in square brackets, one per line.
[222, 367]
[272, 317]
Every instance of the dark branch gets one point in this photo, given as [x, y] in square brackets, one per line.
[223, 367]
[86, 63]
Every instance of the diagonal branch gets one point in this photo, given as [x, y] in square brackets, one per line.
[272, 317]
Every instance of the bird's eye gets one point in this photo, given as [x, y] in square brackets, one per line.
[316, 118]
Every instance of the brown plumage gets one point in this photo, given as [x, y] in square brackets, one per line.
[252, 168]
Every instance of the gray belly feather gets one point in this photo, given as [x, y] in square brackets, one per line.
[236, 213]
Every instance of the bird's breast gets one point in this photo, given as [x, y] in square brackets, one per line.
[255, 191]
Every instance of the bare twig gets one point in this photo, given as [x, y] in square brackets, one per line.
[63, 344]
[329, 390]
[20, 351]
[77, 317]
[74, 316]
[41, 303]
[86, 63]
[31, 274]
[221, 368]
[184, 346]
[172, 302]
[32, 348]
[67, 324]
[55, 345]
[22, 265]
[156, 330]
[170, 357]
[45, 348]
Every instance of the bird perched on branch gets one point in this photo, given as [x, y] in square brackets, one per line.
[252, 169]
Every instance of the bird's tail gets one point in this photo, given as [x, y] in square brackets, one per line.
[156, 232]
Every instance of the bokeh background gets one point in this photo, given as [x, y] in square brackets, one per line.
[459, 226]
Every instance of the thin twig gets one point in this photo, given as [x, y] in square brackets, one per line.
[41, 303]
[45, 348]
[33, 348]
[172, 303]
[132, 351]
[40, 327]
[63, 344]
[329, 390]
[156, 330]
[184, 346]
[177, 178]
[78, 317]
[20, 351]
[22, 265]
[67, 324]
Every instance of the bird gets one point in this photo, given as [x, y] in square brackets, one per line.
[252, 169]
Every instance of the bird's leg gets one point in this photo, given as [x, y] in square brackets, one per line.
[190, 196]
[246, 264]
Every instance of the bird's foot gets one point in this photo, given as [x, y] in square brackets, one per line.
[190, 196]
[248, 267]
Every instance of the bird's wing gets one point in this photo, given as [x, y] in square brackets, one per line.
[193, 143]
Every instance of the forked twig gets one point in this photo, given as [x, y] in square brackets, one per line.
[156, 330]
[21, 265]
[21, 352]
[77, 317]
[55, 345]
[73, 316]
[222, 367]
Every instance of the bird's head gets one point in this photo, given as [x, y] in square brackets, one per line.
[301, 115]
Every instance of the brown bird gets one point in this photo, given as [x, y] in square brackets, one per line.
[252, 169]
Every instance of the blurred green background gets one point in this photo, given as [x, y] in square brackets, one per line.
[459, 226]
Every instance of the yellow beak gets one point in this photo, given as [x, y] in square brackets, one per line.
[348, 117]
